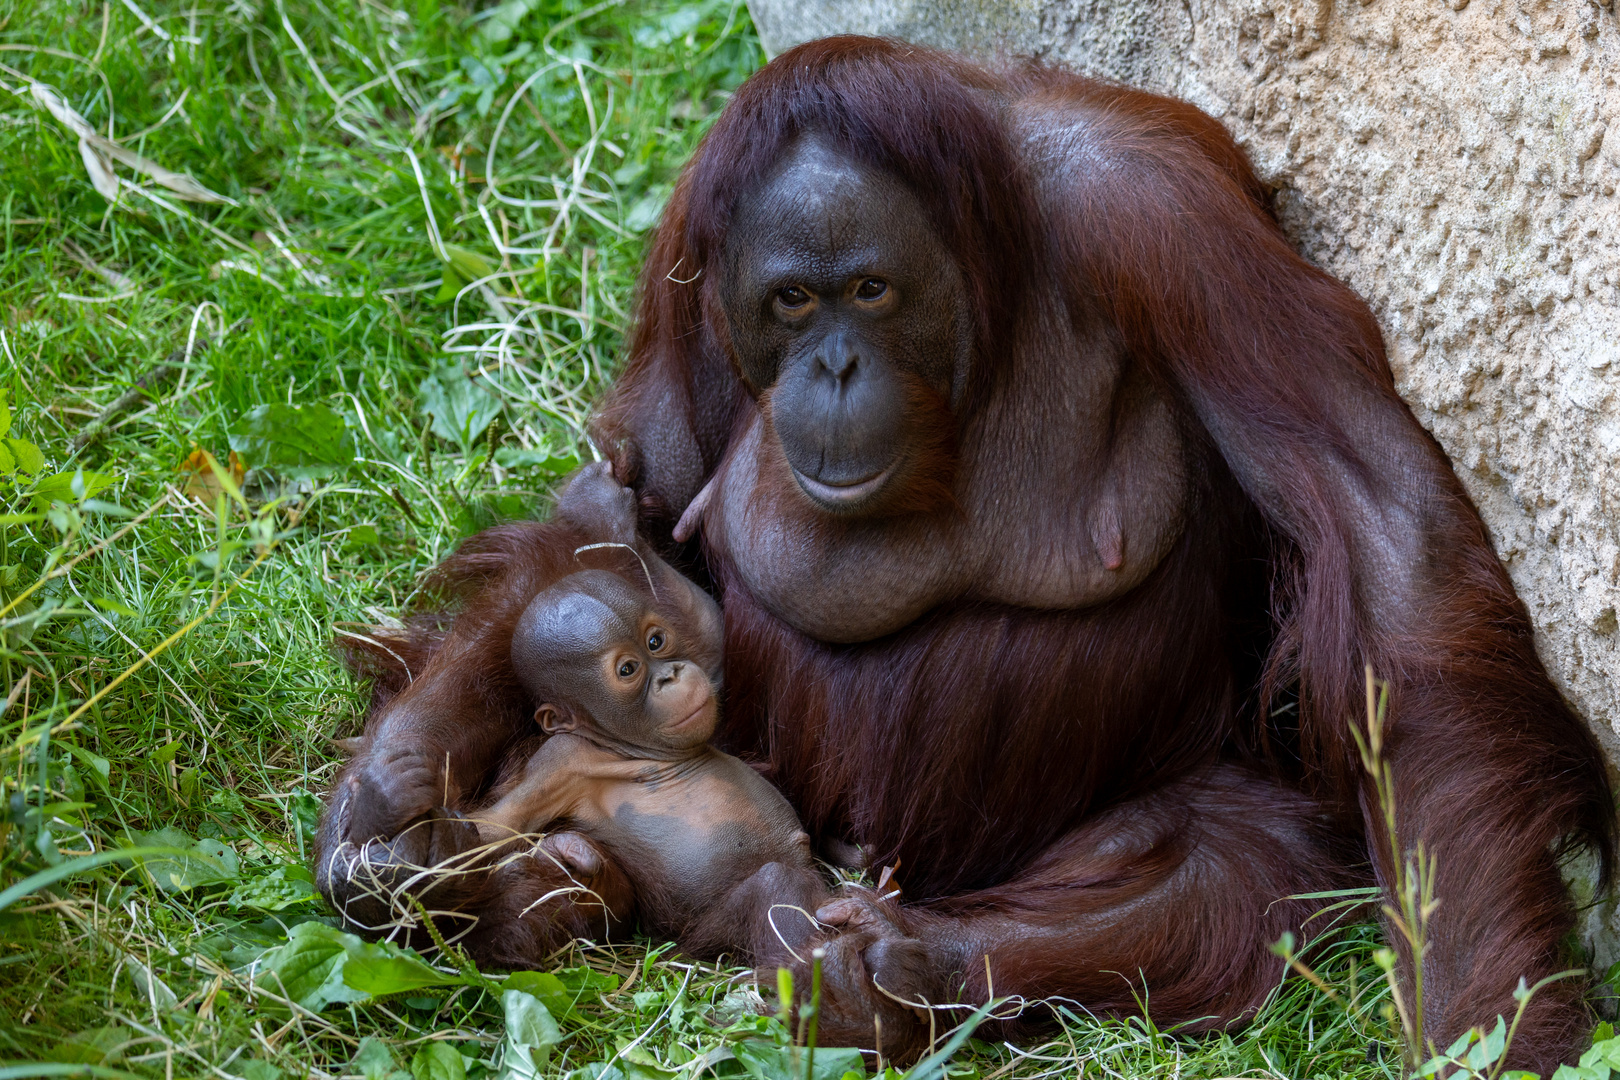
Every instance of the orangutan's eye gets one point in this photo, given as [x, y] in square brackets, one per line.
[655, 640]
[871, 289]
[793, 297]
[628, 668]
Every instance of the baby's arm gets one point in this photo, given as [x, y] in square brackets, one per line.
[549, 789]
[565, 778]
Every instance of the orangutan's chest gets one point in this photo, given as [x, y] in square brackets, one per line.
[1085, 541]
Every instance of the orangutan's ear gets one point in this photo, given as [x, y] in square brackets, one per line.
[554, 720]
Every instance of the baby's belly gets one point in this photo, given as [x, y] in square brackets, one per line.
[687, 860]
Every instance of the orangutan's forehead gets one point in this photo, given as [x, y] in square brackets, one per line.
[822, 217]
[576, 625]
[817, 198]
[582, 615]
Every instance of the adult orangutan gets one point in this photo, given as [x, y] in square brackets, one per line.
[1056, 507]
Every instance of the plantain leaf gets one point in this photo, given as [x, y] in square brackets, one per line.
[27, 455]
[381, 969]
[438, 1061]
[202, 862]
[309, 968]
[531, 1032]
[300, 441]
[460, 408]
[73, 488]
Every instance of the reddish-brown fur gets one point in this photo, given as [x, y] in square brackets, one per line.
[1046, 778]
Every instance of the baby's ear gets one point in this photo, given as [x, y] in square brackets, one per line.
[554, 720]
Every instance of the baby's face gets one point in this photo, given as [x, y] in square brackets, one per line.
[610, 660]
[654, 693]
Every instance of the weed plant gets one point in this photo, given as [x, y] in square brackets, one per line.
[245, 411]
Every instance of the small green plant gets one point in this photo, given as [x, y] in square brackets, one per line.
[1412, 874]
[1477, 1054]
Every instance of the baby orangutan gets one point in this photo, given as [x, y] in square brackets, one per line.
[627, 674]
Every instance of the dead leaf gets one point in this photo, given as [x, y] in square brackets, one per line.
[102, 177]
[97, 149]
[202, 480]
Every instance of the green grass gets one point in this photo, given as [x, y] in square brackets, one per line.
[458, 411]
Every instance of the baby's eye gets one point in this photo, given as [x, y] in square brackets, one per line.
[628, 668]
[655, 641]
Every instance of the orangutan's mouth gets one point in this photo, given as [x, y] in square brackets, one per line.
[841, 496]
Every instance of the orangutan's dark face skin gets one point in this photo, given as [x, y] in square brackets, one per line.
[845, 309]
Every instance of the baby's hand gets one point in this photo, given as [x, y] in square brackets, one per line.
[391, 790]
[599, 504]
[586, 865]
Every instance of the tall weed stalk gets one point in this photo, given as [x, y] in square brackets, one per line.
[1478, 1054]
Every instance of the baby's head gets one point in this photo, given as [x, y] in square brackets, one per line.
[598, 656]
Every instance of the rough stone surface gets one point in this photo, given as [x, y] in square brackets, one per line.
[1455, 162]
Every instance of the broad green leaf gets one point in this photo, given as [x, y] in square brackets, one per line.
[596, 1070]
[305, 810]
[51, 875]
[1581, 1072]
[72, 488]
[27, 455]
[450, 284]
[586, 982]
[363, 536]
[438, 1061]
[117, 607]
[515, 457]
[645, 212]
[255, 1069]
[1460, 1047]
[8, 464]
[468, 263]
[505, 18]
[558, 999]
[205, 862]
[99, 766]
[375, 1061]
[97, 506]
[654, 34]
[460, 409]
[382, 968]
[300, 441]
[5, 414]
[166, 753]
[1484, 1053]
[531, 1032]
[767, 1061]
[309, 968]
[639, 1064]
[282, 888]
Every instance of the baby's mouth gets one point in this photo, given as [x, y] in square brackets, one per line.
[688, 720]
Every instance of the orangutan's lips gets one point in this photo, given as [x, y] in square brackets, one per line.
[843, 494]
